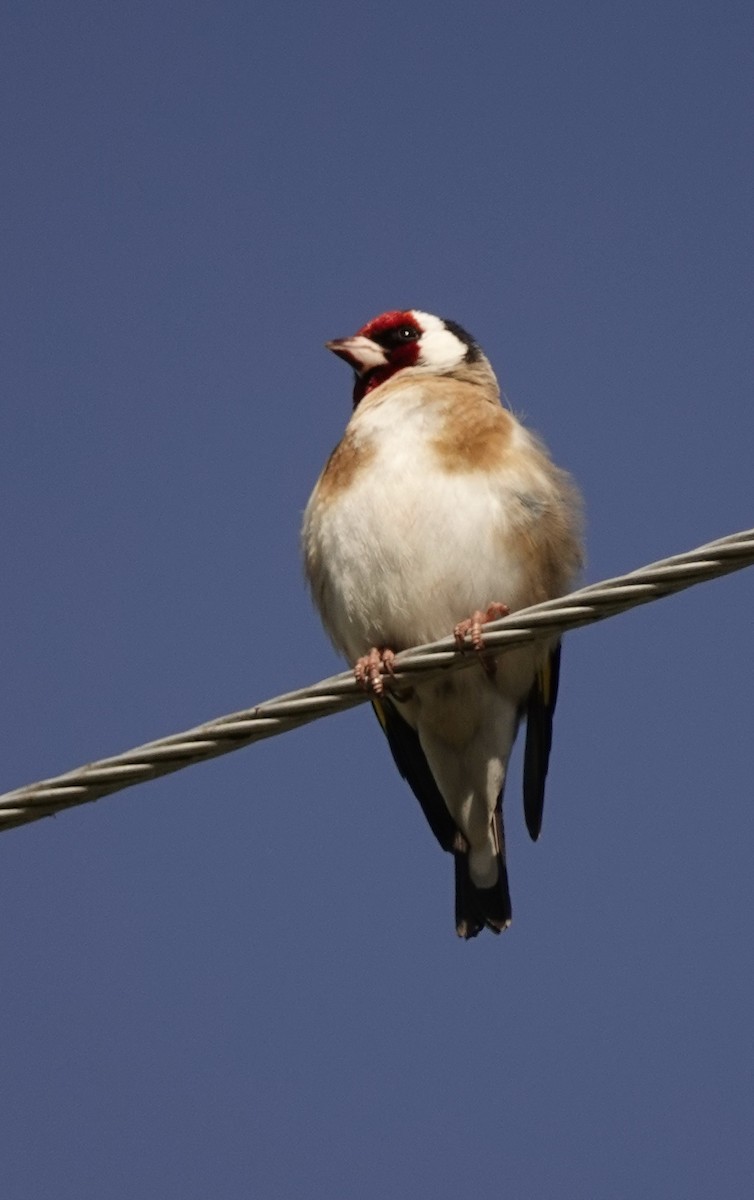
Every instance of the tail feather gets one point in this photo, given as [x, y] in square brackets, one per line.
[482, 908]
[476, 908]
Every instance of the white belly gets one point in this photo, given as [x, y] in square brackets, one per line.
[408, 550]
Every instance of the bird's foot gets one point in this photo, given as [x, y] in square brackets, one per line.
[370, 667]
[472, 628]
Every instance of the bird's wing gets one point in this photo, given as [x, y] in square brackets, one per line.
[411, 761]
[540, 707]
[475, 907]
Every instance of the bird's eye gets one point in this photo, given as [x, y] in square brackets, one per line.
[395, 336]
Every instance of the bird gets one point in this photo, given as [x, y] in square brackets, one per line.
[437, 512]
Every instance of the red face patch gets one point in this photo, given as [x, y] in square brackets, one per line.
[388, 322]
[398, 334]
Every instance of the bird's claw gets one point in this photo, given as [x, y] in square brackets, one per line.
[472, 626]
[369, 669]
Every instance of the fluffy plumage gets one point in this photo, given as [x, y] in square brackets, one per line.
[435, 504]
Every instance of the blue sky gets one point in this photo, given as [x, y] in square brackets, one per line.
[244, 980]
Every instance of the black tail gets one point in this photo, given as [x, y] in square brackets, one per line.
[476, 908]
[479, 908]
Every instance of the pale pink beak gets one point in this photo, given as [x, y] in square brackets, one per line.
[359, 352]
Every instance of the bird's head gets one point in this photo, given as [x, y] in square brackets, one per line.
[413, 342]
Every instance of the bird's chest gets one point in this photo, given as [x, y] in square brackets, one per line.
[408, 547]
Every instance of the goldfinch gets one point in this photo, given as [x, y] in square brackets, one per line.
[436, 512]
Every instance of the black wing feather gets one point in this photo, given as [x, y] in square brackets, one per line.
[540, 708]
[410, 760]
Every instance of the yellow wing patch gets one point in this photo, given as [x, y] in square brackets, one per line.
[380, 711]
[544, 680]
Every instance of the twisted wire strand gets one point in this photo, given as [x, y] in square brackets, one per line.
[596, 602]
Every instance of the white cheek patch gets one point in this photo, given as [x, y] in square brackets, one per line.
[440, 350]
